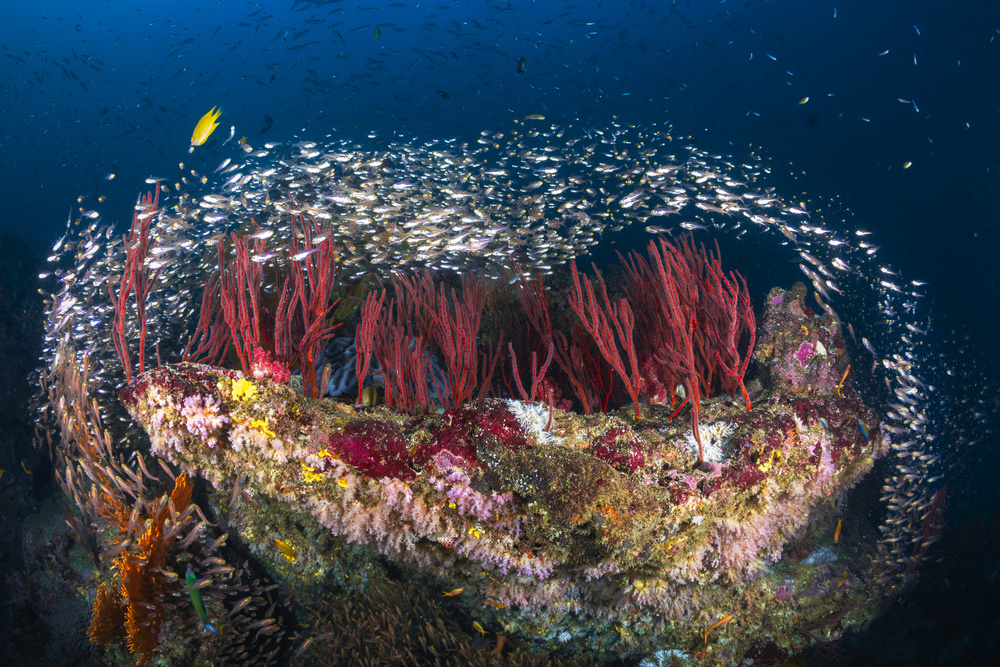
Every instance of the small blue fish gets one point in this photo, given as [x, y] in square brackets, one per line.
[864, 431]
[825, 425]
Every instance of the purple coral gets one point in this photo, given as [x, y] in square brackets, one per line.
[806, 352]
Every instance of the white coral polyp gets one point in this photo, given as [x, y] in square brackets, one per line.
[534, 419]
[713, 440]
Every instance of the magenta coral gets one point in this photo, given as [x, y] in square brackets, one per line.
[619, 448]
[458, 427]
[264, 366]
[805, 353]
[654, 382]
[375, 448]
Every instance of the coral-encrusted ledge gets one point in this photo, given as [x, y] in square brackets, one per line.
[594, 515]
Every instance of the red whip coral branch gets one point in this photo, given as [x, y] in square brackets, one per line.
[416, 318]
[403, 359]
[136, 278]
[240, 282]
[597, 321]
[537, 375]
[532, 292]
[414, 303]
[297, 327]
[400, 342]
[364, 337]
[490, 356]
[456, 336]
[734, 315]
[301, 318]
[678, 291]
[600, 376]
[210, 337]
[692, 319]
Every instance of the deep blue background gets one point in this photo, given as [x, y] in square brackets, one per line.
[94, 88]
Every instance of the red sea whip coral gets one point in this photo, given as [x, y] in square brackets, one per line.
[683, 316]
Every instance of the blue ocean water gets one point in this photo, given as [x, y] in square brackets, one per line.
[101, 88]
[887, 109]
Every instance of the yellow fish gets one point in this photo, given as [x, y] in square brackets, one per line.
[535, 116]
[205, 127]
[285, 548]
[369, 395]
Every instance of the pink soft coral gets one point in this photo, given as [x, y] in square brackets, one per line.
[264, 366]
[202, 418]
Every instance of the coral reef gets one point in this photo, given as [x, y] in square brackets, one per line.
[140, 532]
[705, 522]
[573, 533]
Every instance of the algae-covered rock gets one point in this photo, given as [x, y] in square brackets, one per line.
[576, 533]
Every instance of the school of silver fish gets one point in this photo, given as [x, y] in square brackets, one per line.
[534, 196]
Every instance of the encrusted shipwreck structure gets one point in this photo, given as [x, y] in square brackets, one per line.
[591, 534]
